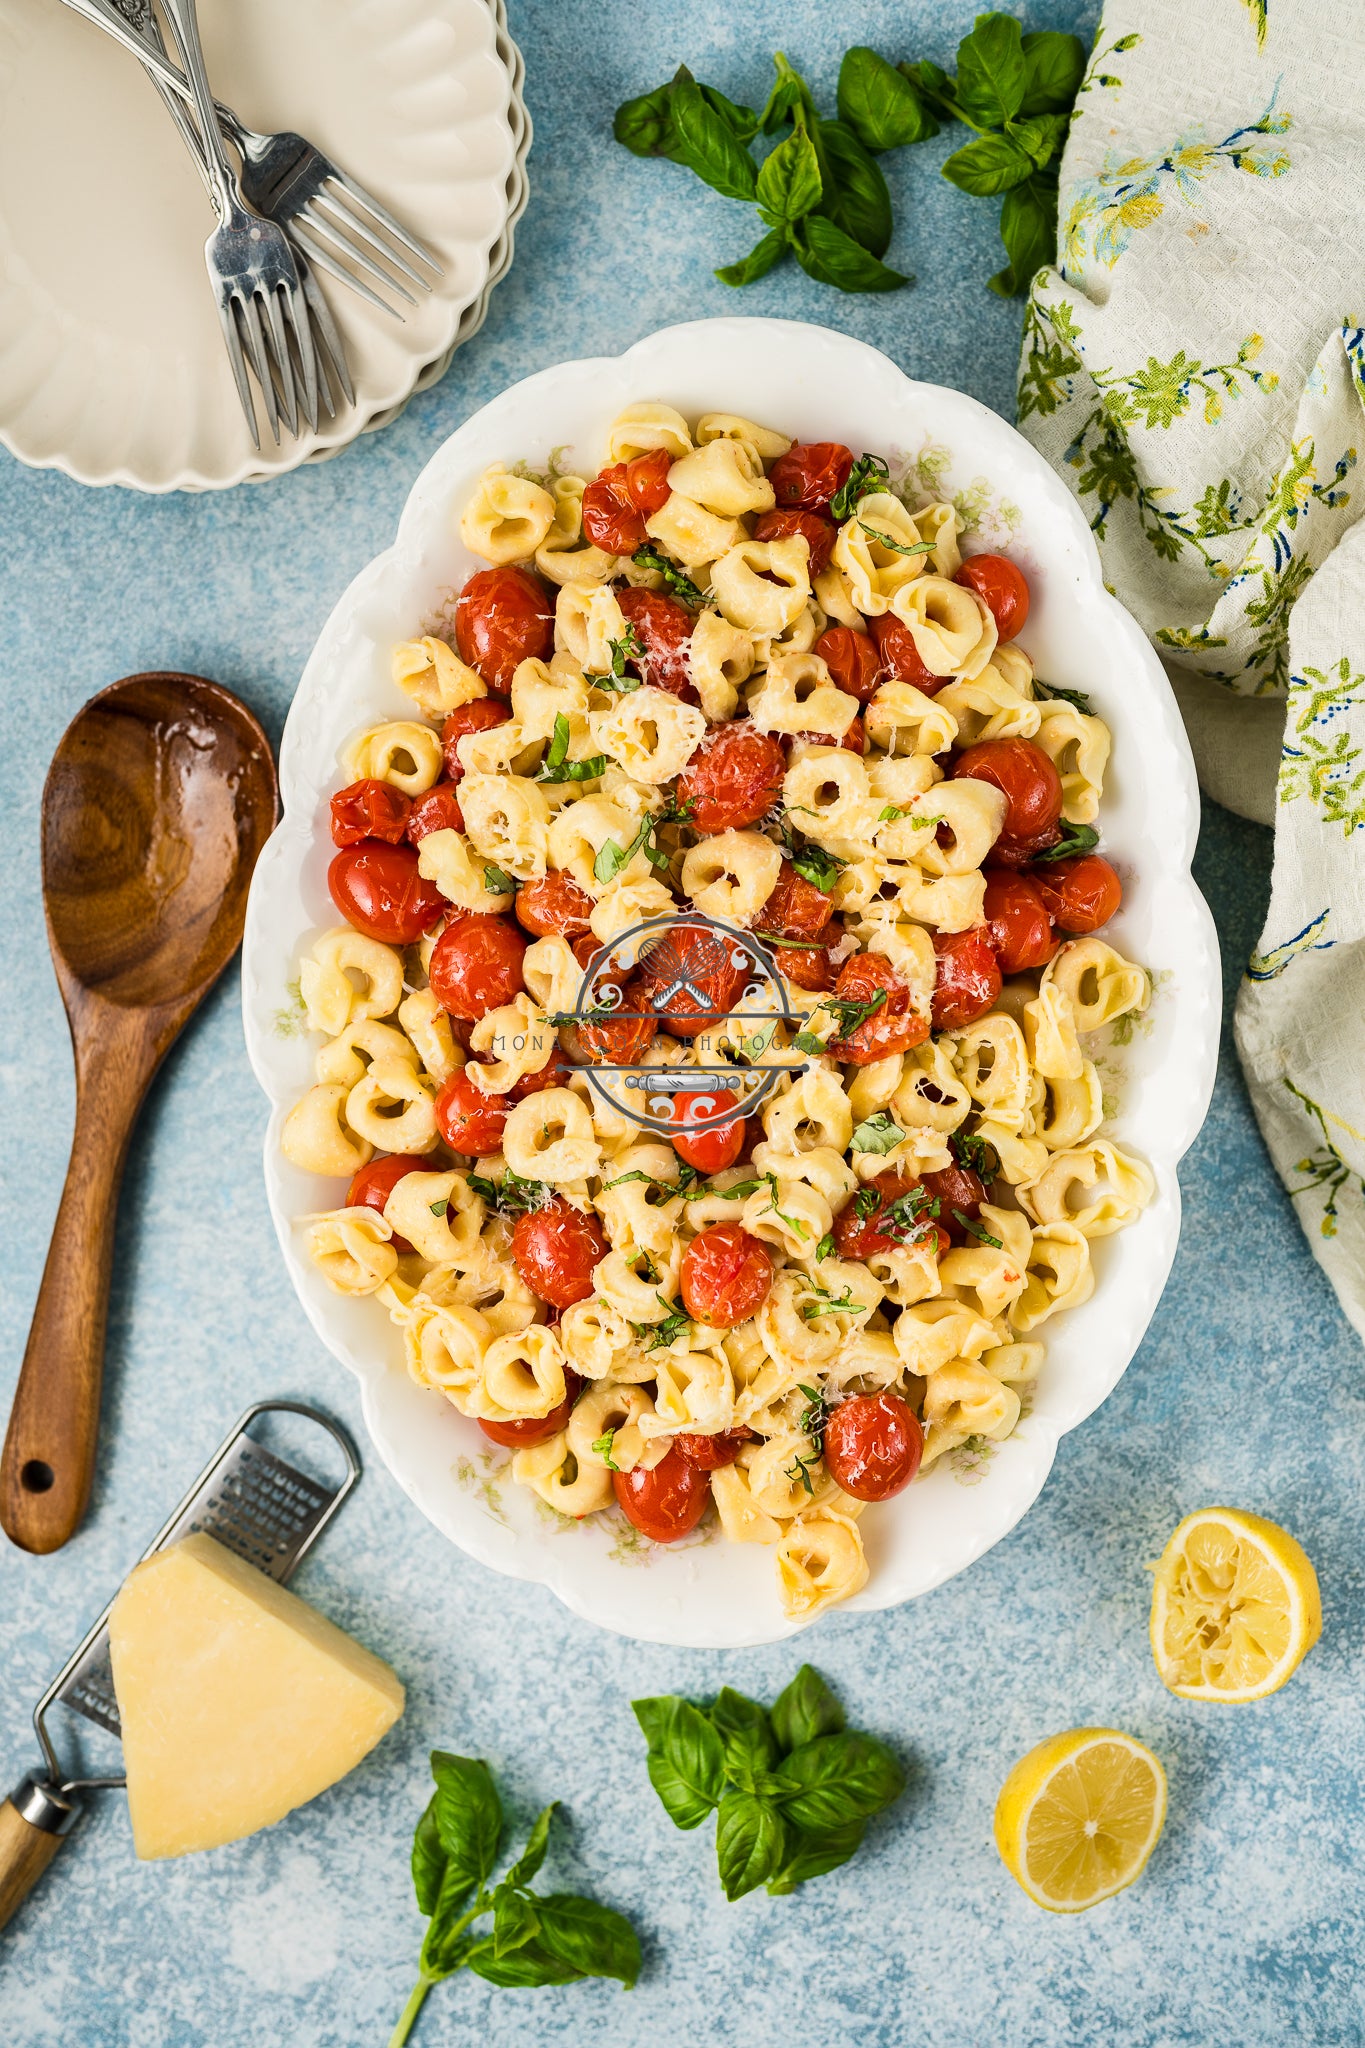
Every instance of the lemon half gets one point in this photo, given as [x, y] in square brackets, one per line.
[1078, 1817]
[1235, 1607]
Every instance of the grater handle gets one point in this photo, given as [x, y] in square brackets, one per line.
[34, 1822]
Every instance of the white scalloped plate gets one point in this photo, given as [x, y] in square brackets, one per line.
[815, 384]
[111, 363]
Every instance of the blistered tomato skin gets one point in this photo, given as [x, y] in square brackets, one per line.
[479, 716]
[623, 1040]
[1032, 789]
[692, 962]
[969, 978]
[726, 1276]
[899, 656]
[859, 1236]
[664, 626]
[733, 779]
[955, 1188]
[470, 1120]
[611, 520]
[809, 967]
[873, 1445]
[647, 481]
[810, 474]
[795, 908]
[1080, 894]
[378, 889]
[369, 809]
[374, 1184]
[476, 965]
[666, 1502]
[852, 660]
[437, 811]
[536, 1429]
[555, 1250]
[1018, 922]
[554, 904]
[894, 1026]
[695, 1139]
[557, 1072]
[502, 618]
[709, 1453]
[1002, 589]
[820, 533]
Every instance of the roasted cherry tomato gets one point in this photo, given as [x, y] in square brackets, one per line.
[479, 716]
[808, 966]
[476, 964]
[1033, 795]
[536, 1428]
[668, 1500]
[852, 660]
[1017, 921]
[810, 474]
[502, 618]
[556, 1073]
[369, 810]
[899, 656]
[820, 533]
[873, 1445]
[691, 978]
[880, 1218]
[611, 519]
[1080, 894]
[378, 890]
[555, 1249]
[709, 1453]
[470, 1120]
[624, 1039]
[726, 1275]
[795, 908]
[695, 1137]
[1001, 588]
[959, 1192]
[854, 741]
[554, 904]
[374, 1184]
[969, 977]
[647, 481]
[734, 777]
[893, 1026]
[437, 811]
[664, 625]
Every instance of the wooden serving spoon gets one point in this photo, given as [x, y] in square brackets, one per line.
[160, 797]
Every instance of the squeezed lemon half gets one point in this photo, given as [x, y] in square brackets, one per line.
[1235, 1607]
[1078, 1817]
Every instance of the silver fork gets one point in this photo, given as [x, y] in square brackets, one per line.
[326, 213]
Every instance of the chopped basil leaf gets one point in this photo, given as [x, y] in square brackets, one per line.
[439, 1208]
[869, 473]
[889, 814]
[1075, 839]
[977, 1154]
[510, 1196]
[1076, 697]
[603, 1446]
[557, 767]
[879, 1133]
[806, 1041]
[497, 883]
[888, 540]
[976, 1230]
[825, 1248]
[850, 1015]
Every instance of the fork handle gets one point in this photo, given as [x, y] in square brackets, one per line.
[104, 14]
[225, 190]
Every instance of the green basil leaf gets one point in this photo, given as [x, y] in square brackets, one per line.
[880, 104]
[1042, 137]
[645, 125]
[933, 85]
[731, 1710]
[805, 1709]
[837, 1779]
[806, 1041]
[1054, 65]
[878, 1133]
[686, 1757]
[497, 882]
[750, 1745]
[751, 1843]
[445, 1942]
[855, 196]
[757, 263]
[789, 96]
[428, 1861]
[711, 147]
[593, 1939]
[812, 1855]
[990, 164]
[523, 1969]
[514, 1920]
[742, 121]
[1028, 229]
[1075, 839]
[468, 1815]
[789, 183]
[830, 256]
[991, 75]
[533, 1855]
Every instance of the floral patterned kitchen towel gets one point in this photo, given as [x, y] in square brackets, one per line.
[1194, 366]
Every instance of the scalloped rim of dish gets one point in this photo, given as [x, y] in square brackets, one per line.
[1032, 1449]
[373, 415]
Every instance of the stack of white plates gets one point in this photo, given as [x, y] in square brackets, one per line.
[112, 366]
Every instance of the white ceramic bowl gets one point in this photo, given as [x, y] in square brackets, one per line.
[814, 384]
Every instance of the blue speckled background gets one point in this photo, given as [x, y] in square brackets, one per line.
[1248, 1388]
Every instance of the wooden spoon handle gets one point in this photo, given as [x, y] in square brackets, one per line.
[49, 1455]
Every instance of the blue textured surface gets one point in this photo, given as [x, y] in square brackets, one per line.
[1247, 1389]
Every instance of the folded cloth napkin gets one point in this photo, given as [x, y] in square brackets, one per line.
[1195, 368]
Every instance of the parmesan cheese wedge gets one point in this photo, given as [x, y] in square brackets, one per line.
[238, 1700]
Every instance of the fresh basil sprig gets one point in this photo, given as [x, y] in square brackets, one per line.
[536, 1938]
[792, 1789]
[1075, 839]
